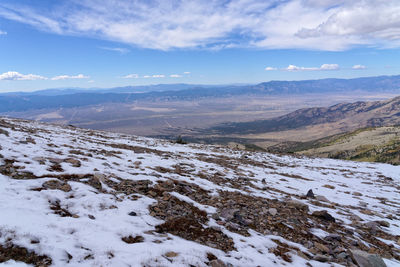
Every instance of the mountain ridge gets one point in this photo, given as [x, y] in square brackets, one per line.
[373, 113]
[97, 198]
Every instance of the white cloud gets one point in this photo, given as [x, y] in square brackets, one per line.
[275, 24]
[175, 76]
[158, 76]
[131, 76]
[270, 68]
[120, 50]
[3, 32]
[322, 67]
[146, 76]
[91, 81]
[358, 67]
[68, 77]
[329, 67]
[16, 76]
[186, 72]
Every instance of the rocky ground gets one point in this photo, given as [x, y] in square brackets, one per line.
[78, 197]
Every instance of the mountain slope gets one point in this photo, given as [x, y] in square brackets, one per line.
[378, 144]
[347, 115]
[78, 197]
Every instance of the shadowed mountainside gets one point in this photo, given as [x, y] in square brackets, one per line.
[361, 114]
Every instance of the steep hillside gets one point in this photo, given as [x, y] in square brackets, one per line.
[74, 197]
[379, 144]
[346, 116]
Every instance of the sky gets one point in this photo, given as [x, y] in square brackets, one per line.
[110, 43]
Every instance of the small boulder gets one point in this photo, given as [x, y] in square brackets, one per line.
[372, 225]
[298, 205]
[272, 211]
[321, 247]
[310, 194]
[227, 214]
[364, 259]
[321, 258]
[333, 237]
[383, 223]
[56, 185]
[131, 240]
[324, 215]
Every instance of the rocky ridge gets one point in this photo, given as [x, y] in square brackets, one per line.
[97, 198]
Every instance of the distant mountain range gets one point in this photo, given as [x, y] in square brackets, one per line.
[114, 90]
[77, 97]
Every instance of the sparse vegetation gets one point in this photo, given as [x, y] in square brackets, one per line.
[179, 140]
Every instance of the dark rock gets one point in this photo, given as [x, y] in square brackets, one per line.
[132, 213]
[383, 223]
[131, 240]
[239, 218]
[4, 132]
[324, 215]
[321, 258]
[310, 194]
[333, 237]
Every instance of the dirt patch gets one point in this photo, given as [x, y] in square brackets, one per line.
[131, 240]
[191, 229]
[21, 254]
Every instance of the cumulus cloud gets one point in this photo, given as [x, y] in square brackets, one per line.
[358, 67]
[270, 68]
[16, 76]
[322, 67]
[131, 76]
[175, 76]
[186, 72]
[3, 32]
[68, 77]
[158, 76]
[299, 24]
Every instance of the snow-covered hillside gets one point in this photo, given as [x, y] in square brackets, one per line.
[74, 197]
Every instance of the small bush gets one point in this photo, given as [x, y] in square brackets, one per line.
[179, 140]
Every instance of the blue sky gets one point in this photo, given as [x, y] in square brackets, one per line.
[94, 43]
